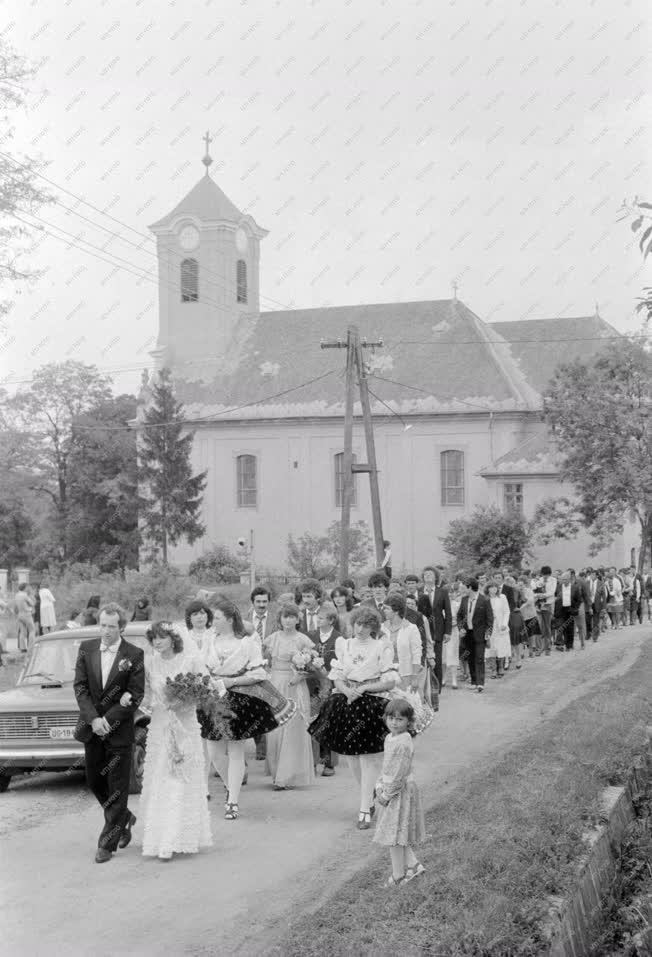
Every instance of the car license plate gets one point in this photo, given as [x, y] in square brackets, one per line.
[60, 733]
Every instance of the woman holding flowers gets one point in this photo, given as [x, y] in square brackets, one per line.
[293, 657]
[173, 800]
[236, 658]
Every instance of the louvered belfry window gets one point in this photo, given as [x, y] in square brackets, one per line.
[241, 277]
[189, 280]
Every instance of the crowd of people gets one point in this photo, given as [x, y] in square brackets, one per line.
[311, 677]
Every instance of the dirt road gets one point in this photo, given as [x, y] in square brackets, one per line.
[284, 853]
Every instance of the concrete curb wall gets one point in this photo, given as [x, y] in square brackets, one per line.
[572, 919]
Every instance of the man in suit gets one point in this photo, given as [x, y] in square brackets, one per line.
[475, 619]
[435, 604]
[636, 597]
[584, 612]
[324, 638]
[311, 595]
[568, 599]
[105, 671]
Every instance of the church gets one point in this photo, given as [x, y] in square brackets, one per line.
[456, 401]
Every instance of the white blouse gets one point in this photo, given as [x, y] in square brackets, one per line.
[368, 660]
[228, 656]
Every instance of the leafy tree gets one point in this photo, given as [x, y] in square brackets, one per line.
[219, 564]
[19, 192]
[601, 416]
[104, 487]
[317, 556]
[170, 495]
[640, 213]
[40, 436]
[488, 537]
[16, 530]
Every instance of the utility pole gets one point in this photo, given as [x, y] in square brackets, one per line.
[355, 366]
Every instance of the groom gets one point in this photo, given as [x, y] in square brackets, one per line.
[107, 668]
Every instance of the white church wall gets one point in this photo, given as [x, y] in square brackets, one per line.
[296, 482]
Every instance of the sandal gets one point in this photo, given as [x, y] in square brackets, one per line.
[364, 821]
[231, 813]
[413, 872]
[393, 882]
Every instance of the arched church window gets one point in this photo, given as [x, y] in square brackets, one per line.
[452, 477]
[247, 482]
[339, 481]
[241, 278]
[189, 280]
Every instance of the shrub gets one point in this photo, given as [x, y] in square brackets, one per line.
[219, 564]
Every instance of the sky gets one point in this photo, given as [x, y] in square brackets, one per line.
[390, 148]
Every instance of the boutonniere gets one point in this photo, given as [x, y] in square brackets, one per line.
[124, 664]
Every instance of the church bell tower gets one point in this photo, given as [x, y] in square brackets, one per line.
[209, 266]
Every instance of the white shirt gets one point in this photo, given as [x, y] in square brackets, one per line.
[566, 595]
[324, 637]
[311, 620]
[107, 658]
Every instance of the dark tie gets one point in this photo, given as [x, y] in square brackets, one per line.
[259, 625]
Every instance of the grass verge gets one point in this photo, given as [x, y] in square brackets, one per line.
[498, 847]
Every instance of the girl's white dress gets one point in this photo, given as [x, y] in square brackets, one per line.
[452, 647]
[48, 616]
[401, 821]
[500, 646]
[173, 801]
[289, 749]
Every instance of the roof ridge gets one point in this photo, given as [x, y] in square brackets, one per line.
[507, 366]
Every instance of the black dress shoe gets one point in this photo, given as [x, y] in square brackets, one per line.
[102, 855]
[125, 837]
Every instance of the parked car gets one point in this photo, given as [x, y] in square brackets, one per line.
[38, 716]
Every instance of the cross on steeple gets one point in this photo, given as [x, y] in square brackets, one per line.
[207, 158]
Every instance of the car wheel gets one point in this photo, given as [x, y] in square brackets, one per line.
[4, 782]
[138, 761]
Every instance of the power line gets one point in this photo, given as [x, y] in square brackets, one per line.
[212, 416]
[432, 395]
[231, 288]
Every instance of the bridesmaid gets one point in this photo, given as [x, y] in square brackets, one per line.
[235, 658]
[351, 721]
[289, 749]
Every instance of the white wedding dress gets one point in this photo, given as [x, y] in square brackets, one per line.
[173, 800]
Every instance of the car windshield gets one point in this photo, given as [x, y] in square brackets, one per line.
[56, 658]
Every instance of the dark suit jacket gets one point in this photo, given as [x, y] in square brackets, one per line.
[438, 612]
[575, 599]
[511, 595]
[585, 590]
[327, 649]
[303, 622]
[95, 701]
[483, 616]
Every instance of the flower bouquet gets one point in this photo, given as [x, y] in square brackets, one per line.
[309, 664]
[201, 692]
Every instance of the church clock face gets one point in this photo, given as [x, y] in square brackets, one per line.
[241, 240]
[189, 238]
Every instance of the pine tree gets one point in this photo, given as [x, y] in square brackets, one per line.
[170, 495]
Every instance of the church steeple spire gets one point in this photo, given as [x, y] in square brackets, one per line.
[207, 160]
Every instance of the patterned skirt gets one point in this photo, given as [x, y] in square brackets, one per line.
[356, 728]
[251, 717]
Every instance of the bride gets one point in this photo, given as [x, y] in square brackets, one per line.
[173, 800]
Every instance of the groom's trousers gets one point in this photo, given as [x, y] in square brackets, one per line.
[107, 774]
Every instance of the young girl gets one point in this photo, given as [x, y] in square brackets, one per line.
[400, 819]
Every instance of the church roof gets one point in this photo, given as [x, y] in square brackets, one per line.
[535, 455]
[438, 356]
[205, 202]
[541, 345]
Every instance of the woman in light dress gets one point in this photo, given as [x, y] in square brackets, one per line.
[500, 646]
[405, 641]
[451, 649]
[173, 800]
[47, 599]
[289, 757]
